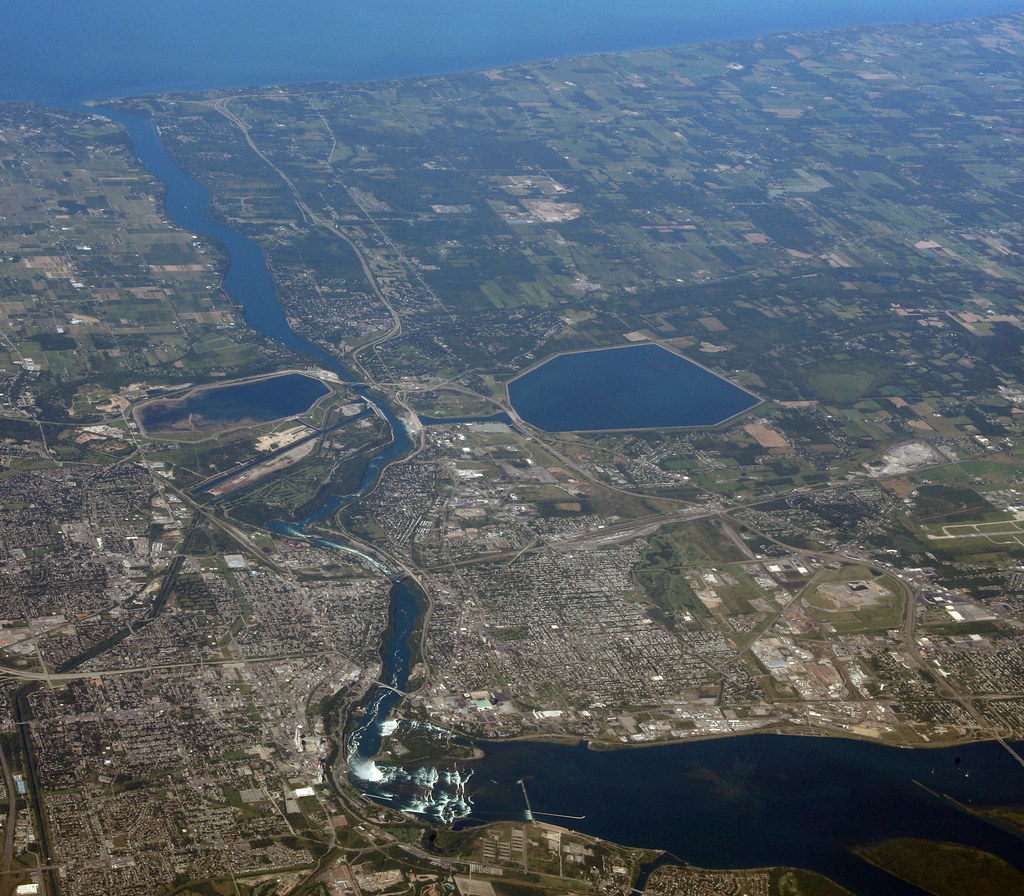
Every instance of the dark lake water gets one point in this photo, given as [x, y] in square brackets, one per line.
[260, 401]
[634, 387]
[64, 53]
[761, 800]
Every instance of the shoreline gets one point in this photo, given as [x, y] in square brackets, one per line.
[604, 746]
[139, 407]
[536, 365]
[914, 19]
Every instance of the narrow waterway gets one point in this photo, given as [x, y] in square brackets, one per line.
[248, 281]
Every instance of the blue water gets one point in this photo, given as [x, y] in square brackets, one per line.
[762, 799]
[249, 283]
[634, 387]
[63, 53]
[247, 279]
[740, 802]
[261, 400]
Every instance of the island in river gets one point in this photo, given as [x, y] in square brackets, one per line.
[840, 559]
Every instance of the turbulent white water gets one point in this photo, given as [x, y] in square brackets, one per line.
[432, 791]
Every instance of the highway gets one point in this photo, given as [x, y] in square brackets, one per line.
[6, 878]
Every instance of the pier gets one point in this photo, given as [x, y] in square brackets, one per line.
[529, 811]
[531, 815]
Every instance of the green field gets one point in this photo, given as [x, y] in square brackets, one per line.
[946, 869]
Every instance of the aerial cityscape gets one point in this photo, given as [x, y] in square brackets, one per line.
[595, 475]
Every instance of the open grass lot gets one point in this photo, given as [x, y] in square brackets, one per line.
[856, 598]
[100, 291]
[946, 869]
